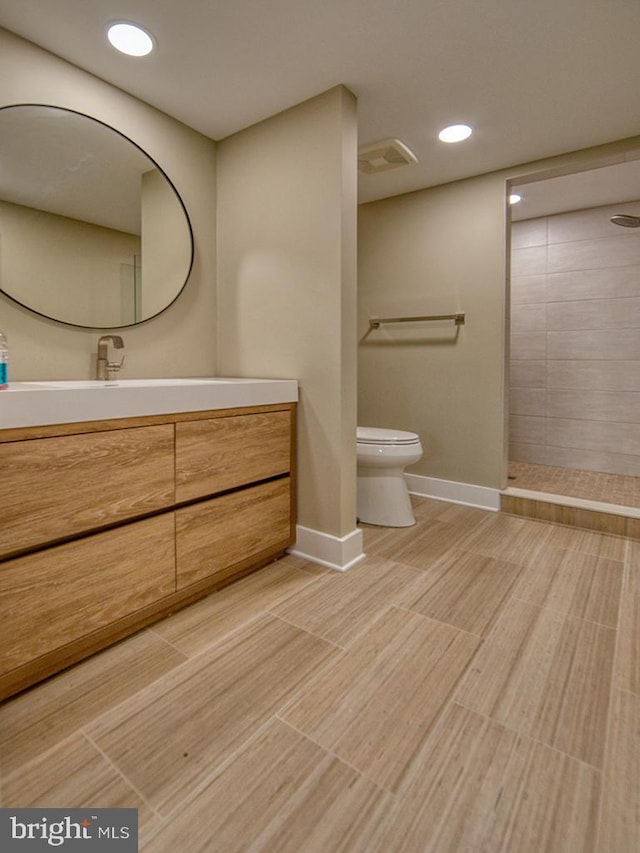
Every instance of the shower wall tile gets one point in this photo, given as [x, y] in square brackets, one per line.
[587, 460]
[526, 429]
[529, 261]
[529, 288]
[536, 454]
[527, 401]
[610, 344]
[613, 406]
[594, 375]
[593, 435]
[591, 254]
[589, 224]
[575, 388]
[528, 318]
[529, 346]
[595, 314]
[529, 232]
[606, 283]
[528, 373]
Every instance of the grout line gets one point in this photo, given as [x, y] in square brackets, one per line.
[223, 638]
[328, 751]
[307, 631]
[624, 690]
[565, 613]
[530, 737]
[150, 630]
[115, 767]
[206, 780]
[406, 609]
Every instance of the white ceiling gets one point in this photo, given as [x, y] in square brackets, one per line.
[534, 78]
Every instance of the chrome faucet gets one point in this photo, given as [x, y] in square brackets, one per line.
[108, 369]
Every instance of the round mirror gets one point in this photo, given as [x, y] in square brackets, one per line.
[92, 231]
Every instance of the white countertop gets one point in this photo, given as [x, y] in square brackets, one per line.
[25, 404]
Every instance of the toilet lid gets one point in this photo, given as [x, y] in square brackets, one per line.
[374, 435]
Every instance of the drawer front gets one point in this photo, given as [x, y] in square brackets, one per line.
[53, 597]
[223, 453]
[58, 487]
[215, 536]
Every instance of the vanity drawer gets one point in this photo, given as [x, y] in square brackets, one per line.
[216, 454]
[54, 488]
[53, 597]
[215, 537]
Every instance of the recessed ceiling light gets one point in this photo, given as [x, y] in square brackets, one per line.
[130, 39]
[514, 198]
[455, 133]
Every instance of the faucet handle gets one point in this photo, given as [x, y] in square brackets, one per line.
[114, 367]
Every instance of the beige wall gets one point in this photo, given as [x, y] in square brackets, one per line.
[181, 341]
[436, 251]
[58, 279]
[287, 289]
[574, 398]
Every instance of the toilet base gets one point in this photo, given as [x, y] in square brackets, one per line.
[384, 501]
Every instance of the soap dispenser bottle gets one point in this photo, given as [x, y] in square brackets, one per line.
[4, 361]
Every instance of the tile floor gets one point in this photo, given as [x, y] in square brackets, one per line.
[473, 686]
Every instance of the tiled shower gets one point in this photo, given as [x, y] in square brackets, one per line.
[575, 341]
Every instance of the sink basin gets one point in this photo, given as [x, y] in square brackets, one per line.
[53, 402]
[69, 384]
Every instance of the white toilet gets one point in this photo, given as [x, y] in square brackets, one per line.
[383, 454]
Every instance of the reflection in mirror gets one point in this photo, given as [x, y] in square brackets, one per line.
[92, 231]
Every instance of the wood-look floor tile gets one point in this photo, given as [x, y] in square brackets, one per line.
[483, 788]
[36, 720]
[380, 541]
[173, 734]
[620, 806]
[587, 541]
[282, 794]
[463, 589]
[439, 525]
[546, 675]
[304, 565]
[465, 517]
[632, 567]
[339, 607]
[627, 668]
[209, 620]
[505, 537]
[375, 706]
[425, 508]
[73, 775]
[583, 585]
[419, 547]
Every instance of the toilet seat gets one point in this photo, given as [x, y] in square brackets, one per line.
[388, 437]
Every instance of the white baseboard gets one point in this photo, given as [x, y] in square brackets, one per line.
[330, 551]
[457, 493]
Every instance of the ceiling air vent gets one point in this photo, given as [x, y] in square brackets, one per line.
[383, 155]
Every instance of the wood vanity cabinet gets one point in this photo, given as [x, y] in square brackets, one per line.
[61, 486]
[108, 526]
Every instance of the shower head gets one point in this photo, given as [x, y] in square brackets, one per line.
[626, 220]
